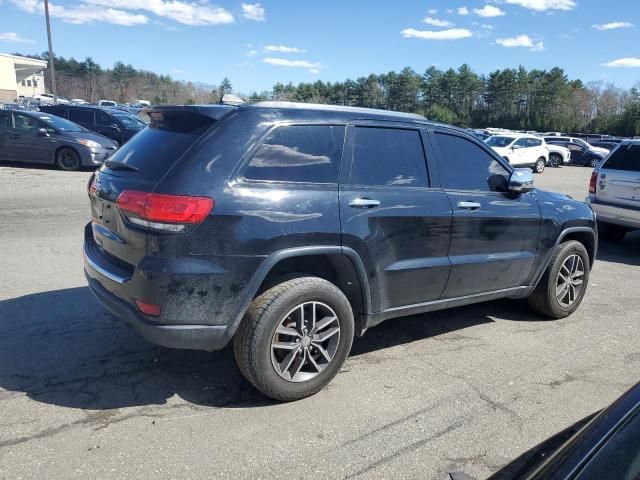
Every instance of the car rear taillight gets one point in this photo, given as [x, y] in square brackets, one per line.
[593, 182]
[164, 212]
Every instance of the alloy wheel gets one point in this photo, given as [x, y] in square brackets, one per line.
[570, 280]
[305, 341]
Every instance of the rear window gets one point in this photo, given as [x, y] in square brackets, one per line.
[154, 150]
[298, 153]
[624, 158]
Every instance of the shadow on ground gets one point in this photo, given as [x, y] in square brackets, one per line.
[62, 348]
[626, 251]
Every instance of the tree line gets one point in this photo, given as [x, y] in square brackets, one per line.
[515, 98]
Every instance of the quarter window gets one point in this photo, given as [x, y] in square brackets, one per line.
[298, 153]
[466, 166]
[388, 157]
[625, 158]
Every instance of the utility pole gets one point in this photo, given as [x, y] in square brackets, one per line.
[53, 70]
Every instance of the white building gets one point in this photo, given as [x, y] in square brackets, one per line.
[20, 76]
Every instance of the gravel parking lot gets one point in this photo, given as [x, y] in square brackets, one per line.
[470, 389]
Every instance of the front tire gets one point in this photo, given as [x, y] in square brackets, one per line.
[294, 338]
[540, 164]
[562, 287]
[555, 160]
[68, 159]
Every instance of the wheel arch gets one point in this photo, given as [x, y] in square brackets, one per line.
[341, 266]
[585, 235]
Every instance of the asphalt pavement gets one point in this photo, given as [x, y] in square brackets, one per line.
[470, 389]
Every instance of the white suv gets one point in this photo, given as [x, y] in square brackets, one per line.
[614, 191]
[521, 150]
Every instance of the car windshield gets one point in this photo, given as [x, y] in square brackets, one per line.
[499, 141]
[61, 124]
[582, 143]
[130, 121]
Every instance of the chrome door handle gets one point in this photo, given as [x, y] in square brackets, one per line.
[364, 203]
[469, 205]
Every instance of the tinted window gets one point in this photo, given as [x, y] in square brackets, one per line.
[5, 119]
[625, 158]
[620, 456]
[522, 142]
[157, 148]
[388, 156]
[533, 142]
[466, 166]
[81, 115]
[104, 119]
[24, 122]
[297, 153]
[499, 141]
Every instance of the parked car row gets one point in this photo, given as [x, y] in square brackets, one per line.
[43, 138]
[116, 124]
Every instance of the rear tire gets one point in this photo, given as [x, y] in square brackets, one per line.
[610, 232]
[563, 285]
[68, 159]
[540, 164]
[280, 346]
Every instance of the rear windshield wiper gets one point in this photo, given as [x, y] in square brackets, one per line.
[115, 165]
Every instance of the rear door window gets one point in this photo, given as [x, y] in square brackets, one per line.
[81, 116]
[5, 119]
[157, 148]
[388, 157]
[298, 153]
[104, 119]
[625, 158]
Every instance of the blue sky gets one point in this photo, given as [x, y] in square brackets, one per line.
[259, 44]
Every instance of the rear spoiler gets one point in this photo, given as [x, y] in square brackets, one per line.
[213, 111]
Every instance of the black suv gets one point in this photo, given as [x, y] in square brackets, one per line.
[115, 124]
[288, 228]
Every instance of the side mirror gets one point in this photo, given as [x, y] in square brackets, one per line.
[516, 147]
[521, 181]
[43, 132]
[115, 127]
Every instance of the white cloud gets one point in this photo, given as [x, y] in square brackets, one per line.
[629, 62]
[251, 53]
[487, 26]
[612, 25]
[82, 13]
[451, 34]
[463, 11]
[187, 13]
[521, 41]
[436, 22]
[489, 11]
[432, 11]
[544, 5]
[283, 62]
[283, 49]
[13, 37]
[253, 11]
[315, 71]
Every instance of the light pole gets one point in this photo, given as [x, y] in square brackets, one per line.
[53, 70]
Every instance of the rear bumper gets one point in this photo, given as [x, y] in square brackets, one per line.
[617, 215]
[194, 337]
